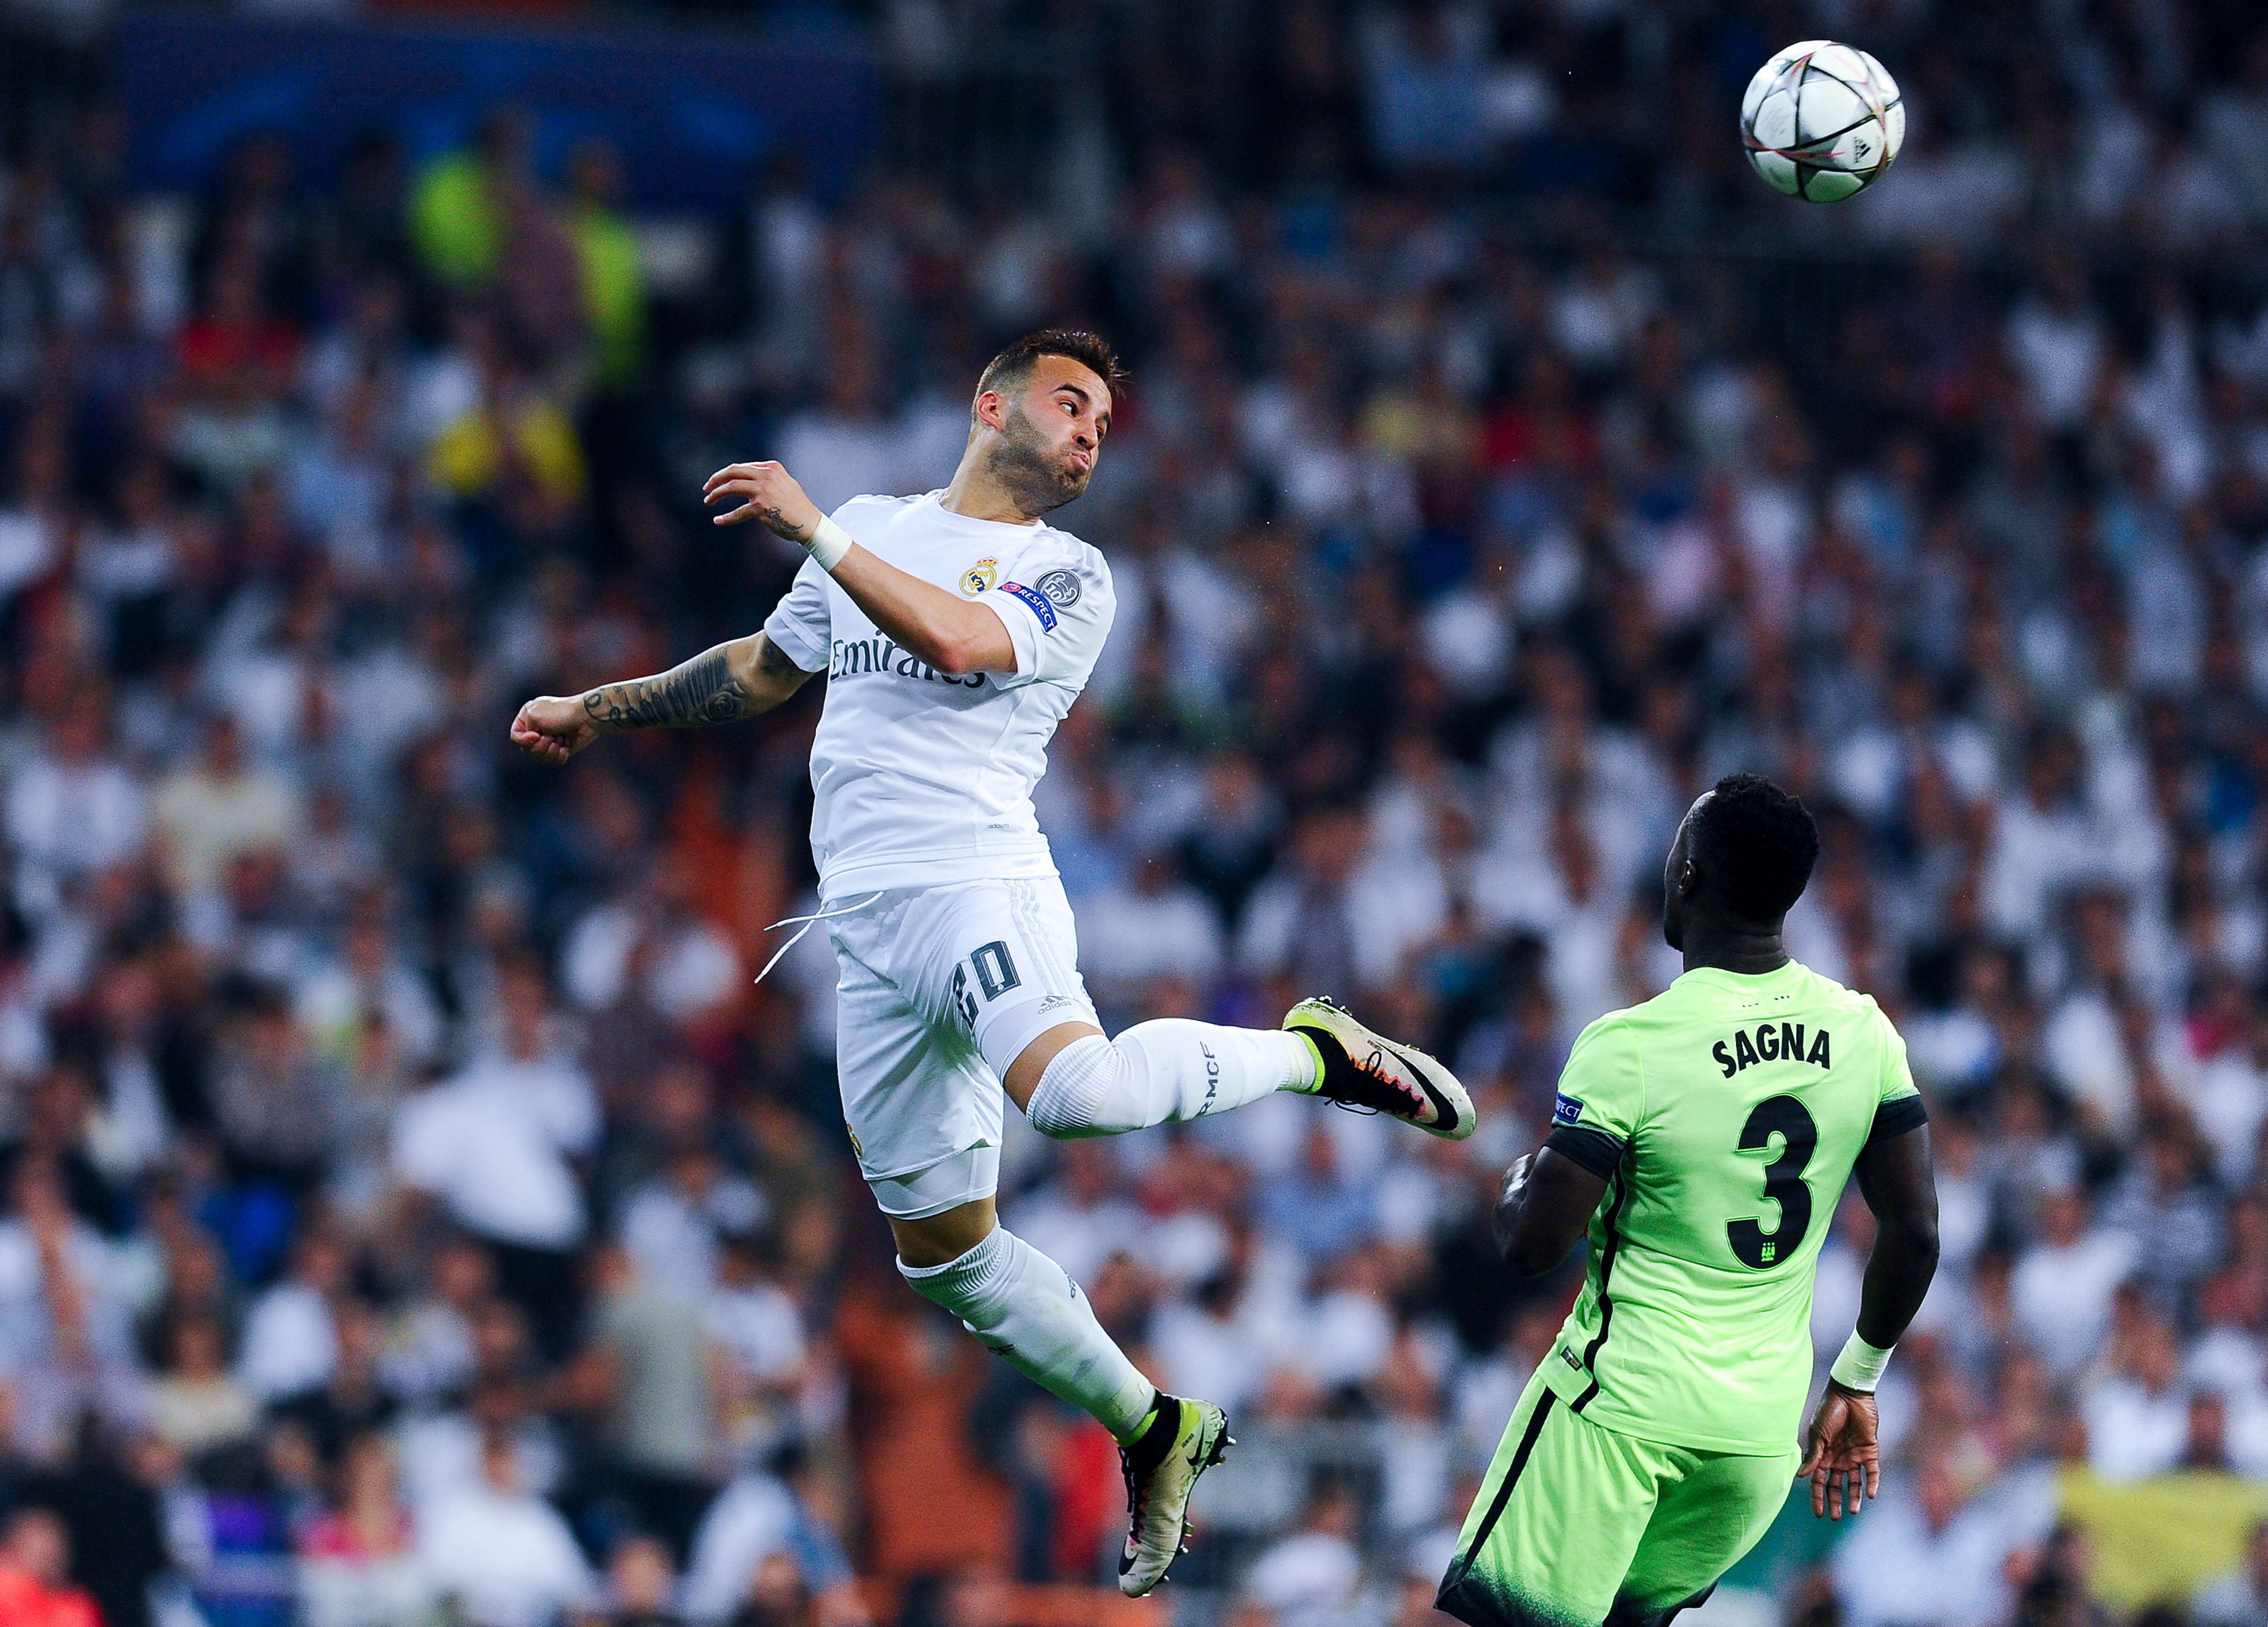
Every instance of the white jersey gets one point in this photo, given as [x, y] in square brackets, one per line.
[921, 779]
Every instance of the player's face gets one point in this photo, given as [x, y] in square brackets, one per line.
[1673, 893]
[1052, 430]
[1673, 916]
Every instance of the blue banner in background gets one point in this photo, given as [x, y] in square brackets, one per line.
[693, 113]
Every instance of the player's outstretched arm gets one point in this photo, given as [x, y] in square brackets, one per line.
[954, 634]
[1843, 1453]
[1548, 1199]
[735, 680]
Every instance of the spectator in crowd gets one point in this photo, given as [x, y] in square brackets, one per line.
[649, 1371]
[639, 1584]
[206, 814]
[359, 1562]
[429, 1352]
[197, 1404]
[73, 809]
[2137, 1414]
[2064, 1284]
[759, 1525]
[64, 1342]
[1158, 927]
[34, 1560]
[1937, 1556]
[492, 1144]
[766, 1377]
[502, 1554]
[749, 1523]
[352, 1399]
[290, 1339]
[1314, 1573]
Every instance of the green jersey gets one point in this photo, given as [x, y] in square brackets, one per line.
[1724, 1114]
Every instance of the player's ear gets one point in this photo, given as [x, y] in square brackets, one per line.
[992, 409]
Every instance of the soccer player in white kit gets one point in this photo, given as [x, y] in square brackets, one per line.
[955, 631]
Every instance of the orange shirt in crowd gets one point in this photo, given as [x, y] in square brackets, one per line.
[27, 1601]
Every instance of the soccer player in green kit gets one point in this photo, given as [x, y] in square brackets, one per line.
[1703, 1138]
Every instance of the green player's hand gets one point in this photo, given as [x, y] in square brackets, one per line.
[1843, 1453]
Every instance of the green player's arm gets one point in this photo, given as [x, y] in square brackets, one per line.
[1547, 1202]
[738, 679]
[1843, 1451]
[1898, 1179]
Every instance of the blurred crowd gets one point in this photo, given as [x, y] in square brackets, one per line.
[414, 1212]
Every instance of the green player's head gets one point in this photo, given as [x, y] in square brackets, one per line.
[1742, 856]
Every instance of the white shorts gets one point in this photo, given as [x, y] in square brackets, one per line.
[939, 990]
[961, 1179]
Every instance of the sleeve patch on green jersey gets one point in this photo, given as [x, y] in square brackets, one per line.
[1567, 1110]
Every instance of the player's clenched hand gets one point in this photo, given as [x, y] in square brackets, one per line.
[553, 727]
[769, 494]
[1843, 1453]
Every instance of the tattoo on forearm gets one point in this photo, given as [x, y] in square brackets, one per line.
[701, 692]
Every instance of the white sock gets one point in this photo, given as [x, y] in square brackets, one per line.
[1025, 1306]
[1165, 1071]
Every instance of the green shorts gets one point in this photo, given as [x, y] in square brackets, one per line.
[1576, 1525]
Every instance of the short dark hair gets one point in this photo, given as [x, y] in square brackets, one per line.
[1754, 844]
[1005, 371]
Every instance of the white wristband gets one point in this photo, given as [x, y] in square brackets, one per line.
[1859, 1367]
[829, 544]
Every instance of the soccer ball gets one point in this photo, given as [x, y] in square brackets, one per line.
[1822, 121]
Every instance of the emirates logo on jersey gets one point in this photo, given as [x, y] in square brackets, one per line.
[980, 577]
[853, 658]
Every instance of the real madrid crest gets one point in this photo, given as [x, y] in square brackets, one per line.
[980, 577]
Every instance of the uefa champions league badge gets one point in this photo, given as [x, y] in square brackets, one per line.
[980, 577]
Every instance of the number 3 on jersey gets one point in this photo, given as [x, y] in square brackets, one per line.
[1759, 1249]
[996, 974]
